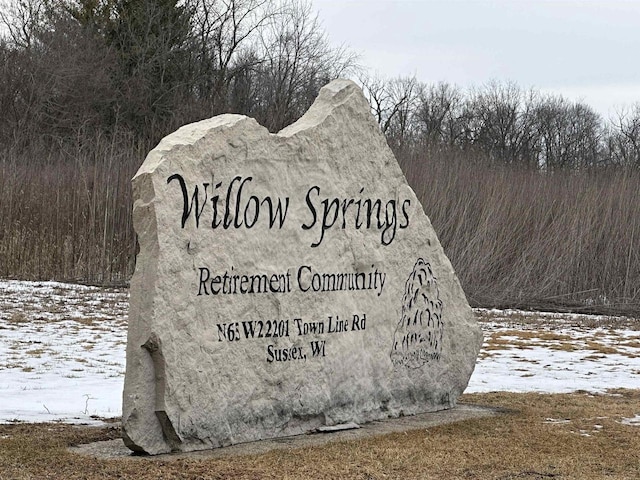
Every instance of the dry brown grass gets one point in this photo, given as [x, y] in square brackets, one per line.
[568, 436]
[523, 238]
[527, 339]
[603, 349]
[66, 214]
[36, 352]
[18, 317]
[519, 238]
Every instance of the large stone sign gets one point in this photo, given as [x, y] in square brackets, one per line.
[286, 282]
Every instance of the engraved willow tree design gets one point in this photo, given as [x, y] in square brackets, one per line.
[418, 336]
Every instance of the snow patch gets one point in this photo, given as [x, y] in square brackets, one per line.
[634, 421]
[62, 353]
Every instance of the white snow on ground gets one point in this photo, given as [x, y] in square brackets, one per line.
[555, 353]
[62, 352]
[634, 421]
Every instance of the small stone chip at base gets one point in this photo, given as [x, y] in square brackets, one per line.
[337, 428]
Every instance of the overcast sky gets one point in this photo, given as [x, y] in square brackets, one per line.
[585, 50]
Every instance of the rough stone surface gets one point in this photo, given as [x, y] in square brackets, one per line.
[285, 282]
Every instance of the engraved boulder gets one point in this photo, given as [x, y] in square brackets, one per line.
[286, 282]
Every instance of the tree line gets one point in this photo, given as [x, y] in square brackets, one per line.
[504, 123]
[73, 69]
[144, 67]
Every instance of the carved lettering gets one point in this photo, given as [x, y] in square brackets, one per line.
[242, 209]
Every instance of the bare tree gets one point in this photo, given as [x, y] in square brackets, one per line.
[297, 60]
[56, 80]
[438, 114]
[624, 138]
[394, 104]
[23, 20]
[501, 124]
[223, 31]
[570, 134]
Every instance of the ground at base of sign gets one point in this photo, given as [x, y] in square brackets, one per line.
[581, 435]
[116, 448]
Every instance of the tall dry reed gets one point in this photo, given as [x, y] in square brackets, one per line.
[516, 237]
[67, 215]
[526, 238]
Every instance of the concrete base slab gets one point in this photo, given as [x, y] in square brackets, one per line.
[116, 448]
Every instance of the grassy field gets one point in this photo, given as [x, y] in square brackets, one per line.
[563, 436]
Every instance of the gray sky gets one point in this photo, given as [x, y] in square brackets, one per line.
[585, 50]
